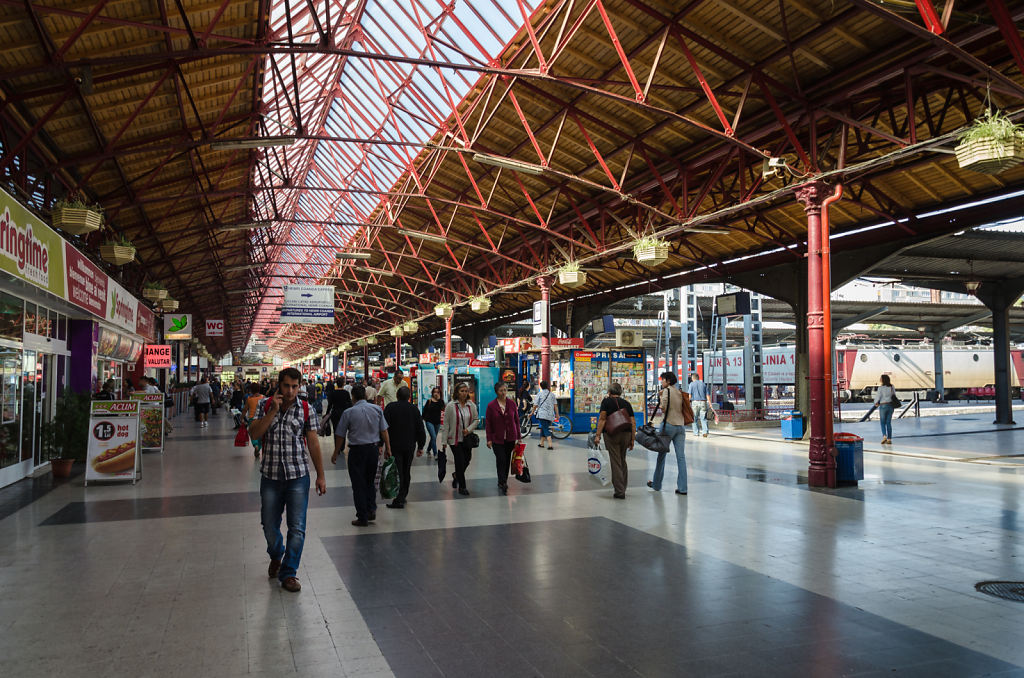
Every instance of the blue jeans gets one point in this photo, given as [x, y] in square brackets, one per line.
[432, 432]
[678, 436]
[545, 428]
[885, 413]
[700, 416]
[275, 497]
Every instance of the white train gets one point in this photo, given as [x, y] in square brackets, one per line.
[967, 370]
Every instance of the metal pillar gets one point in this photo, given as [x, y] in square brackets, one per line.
[366, 364]
[545, 338]
[822, 469]
[398, 352]
[724, 322]
[344, 366]
[999, 302]
[753, 355]
[937, 367]
[688, 330]
[448, 338]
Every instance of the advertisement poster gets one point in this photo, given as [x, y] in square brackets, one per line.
[114, 441]
[151, 421]
[308, 304]
[29, 249]
[157, 356]
[177, 326]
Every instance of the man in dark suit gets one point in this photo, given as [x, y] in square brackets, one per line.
[408, 435]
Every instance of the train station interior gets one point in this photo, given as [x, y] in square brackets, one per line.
[233, 228]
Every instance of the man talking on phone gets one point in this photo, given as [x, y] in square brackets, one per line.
[288, 431]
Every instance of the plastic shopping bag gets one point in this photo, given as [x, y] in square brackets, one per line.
[518, 459]
[389, 479]
[242, 437]
[599, 468]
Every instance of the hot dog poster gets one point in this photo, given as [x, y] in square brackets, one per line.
[151, 420]
[114, 441]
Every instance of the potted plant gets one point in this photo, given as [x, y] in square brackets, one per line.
[411, 327]
[480, 304]
[396, 331]
[571, 275]
[118, 251]
[75, 216]
[444, 310]
[346, 347]
[66, 437]
[650, 250]
[991, 144]
[154, 291]
[371, 341]
[168, 304]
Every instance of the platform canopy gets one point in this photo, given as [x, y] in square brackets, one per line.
[469, 149]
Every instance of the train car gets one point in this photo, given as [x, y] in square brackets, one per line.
[968, 370]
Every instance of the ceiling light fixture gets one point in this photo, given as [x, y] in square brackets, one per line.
[260, 142]
[353, 255]
[237, 292]
[243, 267]
[507, 163]
[375, 271]
[256, 225]
[713, 231]
[432, 237]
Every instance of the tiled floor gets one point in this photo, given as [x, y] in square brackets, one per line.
[752, 573]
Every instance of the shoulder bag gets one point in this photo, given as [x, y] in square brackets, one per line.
[687, 408]
[650, 437]
[471, 439]
[617, 420]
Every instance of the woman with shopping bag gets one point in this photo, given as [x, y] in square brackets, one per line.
[501, 422]
[618, 425]
[675, 406]
[458, 432]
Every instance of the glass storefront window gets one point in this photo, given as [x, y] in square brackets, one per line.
[45, 322]
[10, 404]
[62, 327]
[31, 311]
[12, 313]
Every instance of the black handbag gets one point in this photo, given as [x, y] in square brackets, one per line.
[472, 439]
[524, 477]
[652, 438]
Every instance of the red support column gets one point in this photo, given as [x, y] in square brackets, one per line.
[448, 338]
[398, 352]
[366, 364]
[822, 470]
[545, 338]
[344, 366]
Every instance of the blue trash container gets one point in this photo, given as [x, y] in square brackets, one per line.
[850, 464]
[792, 425]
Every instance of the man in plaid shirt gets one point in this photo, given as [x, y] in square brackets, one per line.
[287, 431]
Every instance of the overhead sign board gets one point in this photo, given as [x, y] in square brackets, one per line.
[29, 249]
[215, 328]
[540, 317]
[177, 326]
[308, 304]
[157, 356]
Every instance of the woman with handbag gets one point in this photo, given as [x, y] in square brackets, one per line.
[546, 411]
[618, 424]
[886, 402]
[432, 419]
[673, 427]
[501, 422]
[457, 431]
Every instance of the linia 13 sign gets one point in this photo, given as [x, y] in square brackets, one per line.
[177, 326]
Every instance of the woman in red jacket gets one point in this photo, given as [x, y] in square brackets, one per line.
[502, 425]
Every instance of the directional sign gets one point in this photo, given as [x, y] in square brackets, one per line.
[215, 328]
[308, 304]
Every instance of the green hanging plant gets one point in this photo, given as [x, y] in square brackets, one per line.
[650, 250]
[571, 274]
[991, 144]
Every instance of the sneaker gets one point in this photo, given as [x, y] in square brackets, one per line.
[291, 584]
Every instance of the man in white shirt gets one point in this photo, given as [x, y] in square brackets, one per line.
[389, 391]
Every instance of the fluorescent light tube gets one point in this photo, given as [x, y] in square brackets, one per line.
[260, 142]
[243, 267]
[353, 255]
[245, 227]
[507, 163]
[375, 271]
[432, 237]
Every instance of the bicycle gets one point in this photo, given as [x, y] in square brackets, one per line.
[561, 428]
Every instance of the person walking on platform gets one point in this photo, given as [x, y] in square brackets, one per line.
[405, 427]
[885, 401]
[546, 411]
[203, 393]
[670, 401]
[339, 401]
[618, 424]
[364, 427]
[501, 422]
[432, 410]
[700, 400]
[460, 420]
[389, 389]
[288, 433]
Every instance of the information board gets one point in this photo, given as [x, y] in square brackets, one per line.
[157, 356]
[151, 421]
[308, 304]
[114, 441]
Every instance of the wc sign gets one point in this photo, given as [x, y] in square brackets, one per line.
[215, 328]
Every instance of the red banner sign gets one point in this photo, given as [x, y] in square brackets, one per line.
[157, 356]
[145, 323]
[87, 284]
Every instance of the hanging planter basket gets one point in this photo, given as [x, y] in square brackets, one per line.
[651, 254]
[411, 327]
[154, 293]
[169, 305]
[395, 332]
[371, 341]
[345, 348]
[360, 342]
[76, 220]
[990, 155]
[118, 255]
[571, 278]
[480, 304]
[444, 311]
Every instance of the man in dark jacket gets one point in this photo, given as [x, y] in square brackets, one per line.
[405, 426]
